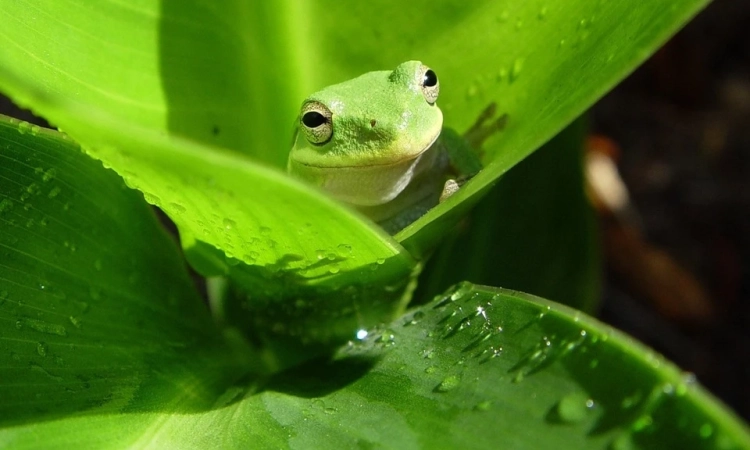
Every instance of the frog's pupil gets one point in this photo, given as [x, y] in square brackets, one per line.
[430, 79]
[313, 119]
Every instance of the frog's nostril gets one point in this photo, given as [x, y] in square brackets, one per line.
[372, 123]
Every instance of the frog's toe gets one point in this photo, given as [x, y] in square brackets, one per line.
[449, 188]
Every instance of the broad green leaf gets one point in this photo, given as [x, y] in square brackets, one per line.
[232, 75]
[534, 232]
[97, 313]
[476, 368]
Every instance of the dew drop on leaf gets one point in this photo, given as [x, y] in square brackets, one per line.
[622, 442]
[5, 205]
[24, 127]
[574, 408]
[448, 384]
[179, 209]
[42, 326]
[515, 70]
[706, 430]
[49, 175]
[642, 423]
[76, 323]
[483, 406]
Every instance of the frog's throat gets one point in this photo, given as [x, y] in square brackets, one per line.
[374, 162]
[371, 184]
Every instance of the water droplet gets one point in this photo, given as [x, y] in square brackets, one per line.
[631, 400]
[542, 13]
[430, 369]
[179, 209]
[415, 318]
[706, 430]
[76, 323]
[503, 17]
[642, 423]
[98, 264]
[5, 205]
[519, 24]
[622, 442]
[42, 326]
[344, 250]
[151, 198]
[24, 127]
[574, 408]
[320, 254]
[41, 349]
[472, 90]
[49, 175]
[380, 261]
[386, 339]
[229, 224]
[361, 334]
[448, 384]
[483, 406]
[561, 43]
[515, 71]
[334, 269]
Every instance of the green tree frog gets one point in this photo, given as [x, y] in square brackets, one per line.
[377, 143]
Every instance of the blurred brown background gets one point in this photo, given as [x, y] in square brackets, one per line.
[680, 128]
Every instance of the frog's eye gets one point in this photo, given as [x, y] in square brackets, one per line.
[315, 119]
[430, 85]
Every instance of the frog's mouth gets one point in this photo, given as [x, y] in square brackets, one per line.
[368, 184]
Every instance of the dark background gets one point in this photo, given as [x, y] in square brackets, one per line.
[681, 124]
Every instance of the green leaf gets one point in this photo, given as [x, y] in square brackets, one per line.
[475, 368]
[533, 232]
[97, 312]
[187, 68]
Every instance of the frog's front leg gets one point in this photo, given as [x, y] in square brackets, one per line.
[450, 187]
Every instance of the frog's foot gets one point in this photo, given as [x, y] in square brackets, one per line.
[485, 126]
[449, 188]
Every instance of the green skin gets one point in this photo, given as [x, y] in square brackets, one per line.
[382, 149]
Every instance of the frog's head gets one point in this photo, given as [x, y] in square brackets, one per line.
[380, 119]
